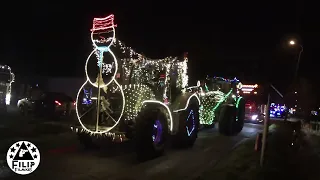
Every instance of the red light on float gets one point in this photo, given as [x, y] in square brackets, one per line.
[57, 103]
[100, 24]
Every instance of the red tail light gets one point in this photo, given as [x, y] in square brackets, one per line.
[74, 103]
[57, 103]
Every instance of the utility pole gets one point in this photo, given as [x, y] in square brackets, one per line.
[265, 131]
[298, 64]
[266, 124]
[295, 78]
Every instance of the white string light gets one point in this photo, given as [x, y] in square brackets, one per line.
[102, 49]
[136, 67]
[188, 102]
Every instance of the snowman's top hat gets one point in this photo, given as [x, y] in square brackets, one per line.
[103, 24]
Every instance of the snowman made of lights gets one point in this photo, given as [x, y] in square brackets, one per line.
[100, 68]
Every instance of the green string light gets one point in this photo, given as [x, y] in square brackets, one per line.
[207, 112]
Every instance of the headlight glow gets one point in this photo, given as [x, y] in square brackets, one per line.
[254, 117]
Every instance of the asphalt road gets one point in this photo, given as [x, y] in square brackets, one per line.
[62, 158]
[11, 118]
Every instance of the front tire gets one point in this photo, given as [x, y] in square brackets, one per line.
[151, 133]
[188, 127]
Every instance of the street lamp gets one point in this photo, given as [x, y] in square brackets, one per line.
[292, 43]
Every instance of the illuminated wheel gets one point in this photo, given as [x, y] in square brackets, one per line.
[188, 126]
[157, 132]
[151, 133]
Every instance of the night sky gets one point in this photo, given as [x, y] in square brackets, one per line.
[247, 39]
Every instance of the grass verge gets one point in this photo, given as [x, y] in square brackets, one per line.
[285, 158]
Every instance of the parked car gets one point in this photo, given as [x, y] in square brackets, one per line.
[50, 104]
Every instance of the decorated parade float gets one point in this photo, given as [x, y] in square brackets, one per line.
[127, 96]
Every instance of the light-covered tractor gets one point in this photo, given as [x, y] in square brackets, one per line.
[222, 104]
[130, 97]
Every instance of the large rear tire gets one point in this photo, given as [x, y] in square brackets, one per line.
[240, 116]
[227, 120]
[188, 127]
[151, 133]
